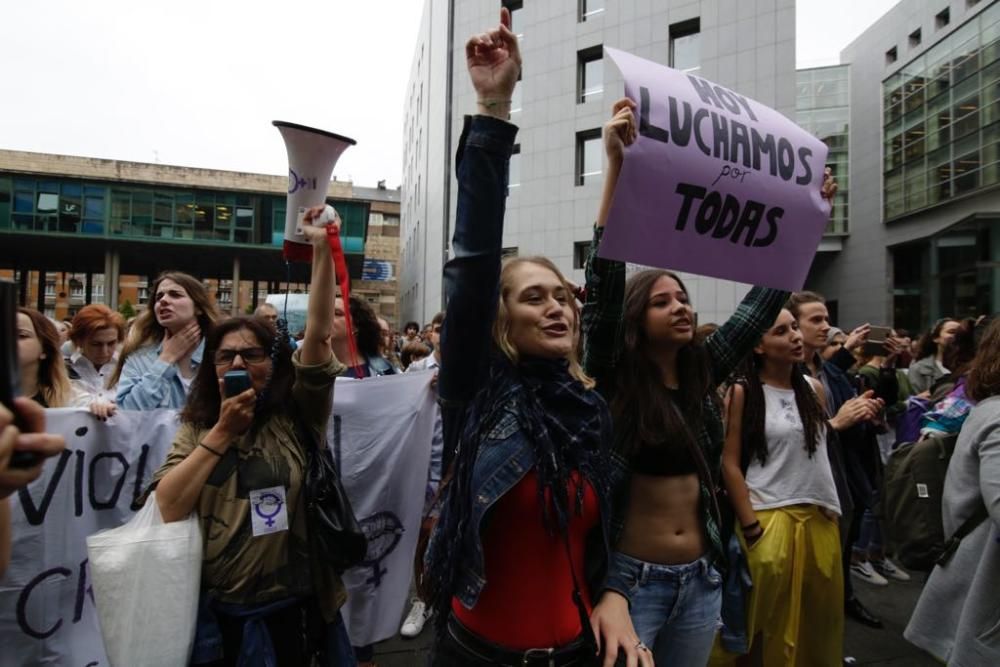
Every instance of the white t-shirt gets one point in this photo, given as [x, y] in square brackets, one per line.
[186, 382]
[791, 476]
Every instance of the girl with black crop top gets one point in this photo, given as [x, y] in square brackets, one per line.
[663, 581]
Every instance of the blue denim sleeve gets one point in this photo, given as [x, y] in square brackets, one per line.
[472, 275]
[145, 381]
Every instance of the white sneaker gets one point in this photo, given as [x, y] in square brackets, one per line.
[415, 620]
[866, 572]
[887, 568]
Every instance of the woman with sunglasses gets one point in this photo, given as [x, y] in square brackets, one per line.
[237, 453]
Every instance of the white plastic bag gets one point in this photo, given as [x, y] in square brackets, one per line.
[146, 577]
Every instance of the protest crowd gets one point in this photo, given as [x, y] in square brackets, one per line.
[609, 481]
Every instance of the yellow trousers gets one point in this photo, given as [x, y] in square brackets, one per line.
[795, 615]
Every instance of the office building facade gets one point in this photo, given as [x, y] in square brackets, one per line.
[924, 239]
[560, 104]
[77, 230]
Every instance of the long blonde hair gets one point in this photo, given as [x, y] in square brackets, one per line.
[501, 326]
[146, 330]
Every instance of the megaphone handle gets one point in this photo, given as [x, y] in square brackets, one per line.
[344, 279]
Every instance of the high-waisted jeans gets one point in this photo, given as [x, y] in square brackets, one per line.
[676, 609]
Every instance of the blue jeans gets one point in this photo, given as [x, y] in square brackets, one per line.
[676, 609]
[339, 652]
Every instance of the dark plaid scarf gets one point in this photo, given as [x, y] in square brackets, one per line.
[569, 428]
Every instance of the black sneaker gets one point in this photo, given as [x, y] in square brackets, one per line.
[854, 609]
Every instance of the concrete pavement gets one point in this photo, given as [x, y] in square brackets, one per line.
[871, 648]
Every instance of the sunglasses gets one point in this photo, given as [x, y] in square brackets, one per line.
[249, 355]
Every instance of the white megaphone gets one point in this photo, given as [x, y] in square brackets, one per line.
[312, 155]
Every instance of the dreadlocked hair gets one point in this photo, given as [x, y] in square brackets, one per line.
[810, 412]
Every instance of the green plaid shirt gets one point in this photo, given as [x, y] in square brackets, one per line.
[730, 344]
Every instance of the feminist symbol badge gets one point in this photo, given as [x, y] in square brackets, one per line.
[268, 510]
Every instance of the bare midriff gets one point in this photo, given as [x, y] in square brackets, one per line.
[663, 522]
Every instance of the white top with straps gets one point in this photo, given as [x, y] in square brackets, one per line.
[791, 476]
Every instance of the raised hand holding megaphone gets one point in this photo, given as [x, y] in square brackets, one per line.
[312, 154]
[317, 221]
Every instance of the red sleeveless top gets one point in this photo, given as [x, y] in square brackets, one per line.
[527, 601]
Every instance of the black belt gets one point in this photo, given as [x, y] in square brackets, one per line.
[574, 653]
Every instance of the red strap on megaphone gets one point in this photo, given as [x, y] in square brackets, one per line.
[344, 280]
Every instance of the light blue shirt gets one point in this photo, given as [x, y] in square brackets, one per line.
[148, 383]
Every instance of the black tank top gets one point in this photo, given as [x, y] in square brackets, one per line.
[668, 459]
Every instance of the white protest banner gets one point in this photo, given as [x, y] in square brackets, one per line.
[381, 433]
[716, 183]
[47, 614]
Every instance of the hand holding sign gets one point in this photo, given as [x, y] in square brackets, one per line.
[715, 183]
[620, 131]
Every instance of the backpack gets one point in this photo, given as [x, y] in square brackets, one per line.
[908, 425]
[911, 502]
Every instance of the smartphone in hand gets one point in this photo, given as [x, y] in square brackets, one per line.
[235, 382]
[875, 345]
[8, 365]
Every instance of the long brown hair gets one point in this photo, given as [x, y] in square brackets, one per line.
[645, 412]
[501, 326]
[204, 401]
[927, 346]
[984, 378]
[811, 413]
[146, 330]
[53, 380]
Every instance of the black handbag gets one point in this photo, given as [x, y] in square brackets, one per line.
[334, 532]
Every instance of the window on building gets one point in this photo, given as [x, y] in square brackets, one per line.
[580, 252]
[915, 38]
[590, 73]
[685, 45]
[942, 18]
[891, 55]
[514, 180]
[508, 252]
[590, 9]
[588, 156]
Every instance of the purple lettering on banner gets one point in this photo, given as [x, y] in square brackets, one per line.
[716, 184]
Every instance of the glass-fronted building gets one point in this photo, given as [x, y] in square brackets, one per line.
[75, 230]
[77, 207]
[822, 107]
[941, 120]
[941, 128]
[952, 274]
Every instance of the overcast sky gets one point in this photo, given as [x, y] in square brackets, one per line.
[197, 83]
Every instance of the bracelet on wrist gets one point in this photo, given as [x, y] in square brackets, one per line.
[211, 449]
[749, 527]
[492, 103]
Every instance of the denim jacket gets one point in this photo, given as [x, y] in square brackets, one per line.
[472, 278]
[148, 383]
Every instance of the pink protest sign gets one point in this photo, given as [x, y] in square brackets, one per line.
[716, 184]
